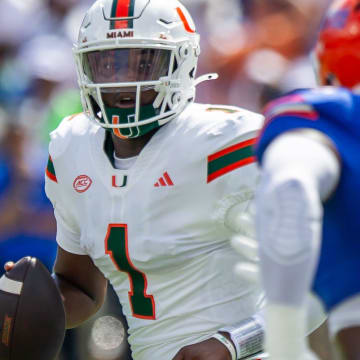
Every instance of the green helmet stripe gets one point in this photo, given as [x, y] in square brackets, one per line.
[113, 14]
[131, 13]
[119, 9]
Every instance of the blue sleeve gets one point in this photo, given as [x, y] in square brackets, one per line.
[326, 109]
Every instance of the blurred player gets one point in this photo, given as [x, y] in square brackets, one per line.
[307, 218]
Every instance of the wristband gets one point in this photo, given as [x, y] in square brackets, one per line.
[247, 336]
[227, 343]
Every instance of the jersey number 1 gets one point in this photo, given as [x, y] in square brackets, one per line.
[116, 246]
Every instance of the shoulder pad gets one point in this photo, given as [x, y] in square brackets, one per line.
[216, 120]
[216, 131]
[330, 100]
[74, 125]
[312, 104]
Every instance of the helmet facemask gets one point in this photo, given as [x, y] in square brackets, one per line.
[125, 86]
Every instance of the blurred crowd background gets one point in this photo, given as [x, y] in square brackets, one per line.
[259, 48]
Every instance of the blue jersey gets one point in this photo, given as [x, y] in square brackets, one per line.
[336, 113]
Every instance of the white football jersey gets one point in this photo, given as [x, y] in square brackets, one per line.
[157, 230]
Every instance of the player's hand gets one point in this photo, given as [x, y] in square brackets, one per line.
[210, 349]
[9, 265]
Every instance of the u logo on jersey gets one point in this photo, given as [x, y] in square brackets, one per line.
[118, 184]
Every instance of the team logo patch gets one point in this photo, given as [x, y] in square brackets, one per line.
[82, 183]
[117, 183]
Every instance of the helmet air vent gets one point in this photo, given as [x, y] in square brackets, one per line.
[110, 18]
[165, 21]
[175, 67]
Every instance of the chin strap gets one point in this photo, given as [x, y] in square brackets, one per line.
[206, 77]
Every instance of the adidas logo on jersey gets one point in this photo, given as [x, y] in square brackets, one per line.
[164, 180]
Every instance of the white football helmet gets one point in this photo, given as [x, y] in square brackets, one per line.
[136, 62]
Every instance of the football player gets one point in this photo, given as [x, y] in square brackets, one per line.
[142, 182]
[307, 220]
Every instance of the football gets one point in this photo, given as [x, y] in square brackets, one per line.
[32, 316]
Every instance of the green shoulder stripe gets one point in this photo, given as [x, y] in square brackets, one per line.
[50, 170]
[229, 159]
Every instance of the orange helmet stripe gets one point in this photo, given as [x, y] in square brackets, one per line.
[184, 20]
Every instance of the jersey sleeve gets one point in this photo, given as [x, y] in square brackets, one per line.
[68, 234]
[326, 110]
[232, 170]
[233, 149]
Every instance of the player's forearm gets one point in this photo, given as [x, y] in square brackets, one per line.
[78, 305]
[300, 170]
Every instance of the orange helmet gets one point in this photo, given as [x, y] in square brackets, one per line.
[338, 47]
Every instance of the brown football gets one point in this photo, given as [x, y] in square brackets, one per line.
[32, 317]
